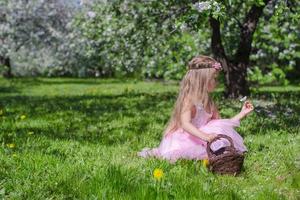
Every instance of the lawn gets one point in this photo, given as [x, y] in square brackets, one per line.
[69, 138]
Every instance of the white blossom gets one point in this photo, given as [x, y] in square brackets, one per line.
[91, 14]
[243, 99]
[201, 6]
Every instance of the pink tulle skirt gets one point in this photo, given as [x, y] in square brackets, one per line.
[181, 144]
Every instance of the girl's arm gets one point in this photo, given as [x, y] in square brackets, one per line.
[246, 109]
[189, 127]
[238, 116]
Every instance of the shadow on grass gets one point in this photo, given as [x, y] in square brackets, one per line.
[107, 119]
[8, 89]
[55, 81]
[111, 119]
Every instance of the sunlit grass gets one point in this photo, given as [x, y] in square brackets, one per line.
[79, 138]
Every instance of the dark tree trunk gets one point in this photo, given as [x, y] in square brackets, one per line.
[237, 84]
[236, 69]
[5, 61]
[218, 50]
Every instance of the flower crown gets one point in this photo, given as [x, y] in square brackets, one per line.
[215, 65]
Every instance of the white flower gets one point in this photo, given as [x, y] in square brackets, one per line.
[244, 98]
[183, 27]
[201, 6]
[91, 14]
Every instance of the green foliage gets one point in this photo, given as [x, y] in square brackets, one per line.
[156, 39]
[172, 64]
[79, 140]
[276, 43]
[275, 77]
[143, 39]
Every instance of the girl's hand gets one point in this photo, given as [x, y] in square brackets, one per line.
[247, 108]
[211, 136]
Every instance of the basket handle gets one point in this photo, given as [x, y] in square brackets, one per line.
[219, 136]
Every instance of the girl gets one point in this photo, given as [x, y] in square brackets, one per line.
[195, 119]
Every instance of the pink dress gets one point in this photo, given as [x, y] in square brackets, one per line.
[181, 144]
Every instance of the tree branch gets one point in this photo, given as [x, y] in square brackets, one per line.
[247, 31]
[216, 41]
[22, 44]
[234, 17]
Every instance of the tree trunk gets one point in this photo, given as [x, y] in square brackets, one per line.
[5, 61]
[237, 85]
[236, 69]
[235, 77]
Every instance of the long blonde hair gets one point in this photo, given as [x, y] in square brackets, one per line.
[193, 89]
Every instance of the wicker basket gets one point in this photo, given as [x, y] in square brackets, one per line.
[226, 160]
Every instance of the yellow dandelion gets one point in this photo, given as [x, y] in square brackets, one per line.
[205, 162]
[30, 133]
[11, 145]
[23, 117]
[158, 173]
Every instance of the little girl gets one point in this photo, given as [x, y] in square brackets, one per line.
[195, 119]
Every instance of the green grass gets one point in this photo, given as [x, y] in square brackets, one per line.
[80, 137]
